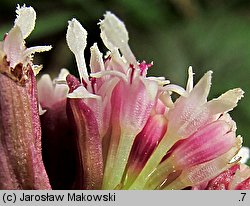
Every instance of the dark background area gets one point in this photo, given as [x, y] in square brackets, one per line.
[207, 34]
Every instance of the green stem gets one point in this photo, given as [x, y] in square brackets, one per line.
[153, 162]
[110, 159]
[120, 161]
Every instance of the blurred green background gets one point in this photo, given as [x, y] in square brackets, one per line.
[207, 34]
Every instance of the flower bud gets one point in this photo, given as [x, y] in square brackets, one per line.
[145, 143]
[207, 143]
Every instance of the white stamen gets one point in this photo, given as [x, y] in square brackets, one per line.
[115, 35]
[96, 61]
[160, 80]
[113, 31]
[32, 50]
[25, 20]
[77, 40]
[82, 92]
[109, 72]
[190, 82]
[175, 88]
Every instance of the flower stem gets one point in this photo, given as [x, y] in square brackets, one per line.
[120, 161]
[110, 160]
[165, 144]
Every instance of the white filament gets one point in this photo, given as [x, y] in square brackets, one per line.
[109, 72]
[175, 88]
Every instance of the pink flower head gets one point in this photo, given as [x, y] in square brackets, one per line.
[130, 131]
[114, 127]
